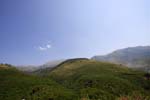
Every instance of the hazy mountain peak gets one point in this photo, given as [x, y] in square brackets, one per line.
[134, 57]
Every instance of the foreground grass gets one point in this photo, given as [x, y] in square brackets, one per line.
[15, 85]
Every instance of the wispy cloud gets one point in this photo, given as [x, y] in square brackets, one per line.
[44, 47]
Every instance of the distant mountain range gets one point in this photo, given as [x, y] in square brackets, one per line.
[30, 68]
[133, 57]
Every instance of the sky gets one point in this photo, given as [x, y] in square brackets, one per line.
[37, 31]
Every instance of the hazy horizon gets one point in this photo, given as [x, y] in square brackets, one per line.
[37, 31]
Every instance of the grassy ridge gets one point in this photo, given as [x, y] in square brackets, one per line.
[100, 80]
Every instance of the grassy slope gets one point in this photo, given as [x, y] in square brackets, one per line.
[76, 79]
[15, 85]
[100, 80]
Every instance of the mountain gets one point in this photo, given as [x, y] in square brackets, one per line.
[133, 57]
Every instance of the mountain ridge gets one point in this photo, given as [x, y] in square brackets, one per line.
[133, 57]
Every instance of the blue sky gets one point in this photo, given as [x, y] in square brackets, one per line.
[37, 31]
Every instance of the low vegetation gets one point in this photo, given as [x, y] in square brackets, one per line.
[16, 85]
[75, 79]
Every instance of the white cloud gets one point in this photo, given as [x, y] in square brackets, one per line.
[48, 46]
[42, 48]
[45, 47]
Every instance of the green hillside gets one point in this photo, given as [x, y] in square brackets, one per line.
[15, 85]
[75, 79]
[101, 81]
